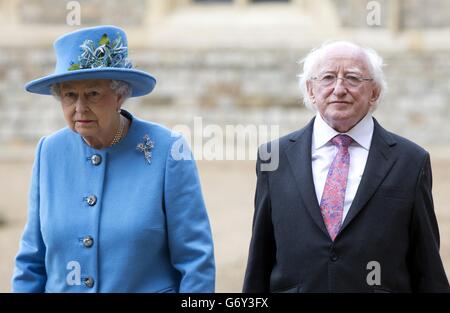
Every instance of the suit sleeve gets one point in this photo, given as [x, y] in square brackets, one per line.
[428, 274]
[189, 232]
[29, 271]
[262, 251]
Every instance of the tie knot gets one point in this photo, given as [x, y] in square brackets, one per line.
[342, 141]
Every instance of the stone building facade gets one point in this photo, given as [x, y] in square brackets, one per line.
[234, 62]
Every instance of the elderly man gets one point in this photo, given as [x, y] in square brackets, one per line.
[349, 208]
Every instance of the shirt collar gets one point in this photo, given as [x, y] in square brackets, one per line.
[360, 133]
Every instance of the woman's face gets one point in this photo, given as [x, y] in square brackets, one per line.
[90, 108]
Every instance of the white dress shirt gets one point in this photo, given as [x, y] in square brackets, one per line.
[323, 152]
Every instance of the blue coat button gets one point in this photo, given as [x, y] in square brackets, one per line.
[88, 241]
[96, 159]
[91, 200]
[88, 282]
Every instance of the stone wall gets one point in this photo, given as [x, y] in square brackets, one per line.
[418, 14]
[229, 87]
[51, 12]
[353, 13]
[241, 83]
[412, 14]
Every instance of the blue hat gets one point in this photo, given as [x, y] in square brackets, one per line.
[94, 53]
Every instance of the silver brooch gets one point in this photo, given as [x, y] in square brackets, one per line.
[146, 148]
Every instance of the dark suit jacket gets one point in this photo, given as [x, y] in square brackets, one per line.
[391, 221]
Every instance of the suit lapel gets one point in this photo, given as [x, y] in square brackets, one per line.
[299, 156]
[379, 162]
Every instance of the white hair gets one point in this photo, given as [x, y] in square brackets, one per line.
[310, 62]
[120, 87]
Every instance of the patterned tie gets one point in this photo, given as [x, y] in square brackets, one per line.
[332, 203]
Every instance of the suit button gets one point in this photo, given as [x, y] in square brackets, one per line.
[334, 257]
[88, 241]
[91, 200]
[88, 282]
[96, 159]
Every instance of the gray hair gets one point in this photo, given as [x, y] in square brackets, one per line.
[120, 87]
[310, 62]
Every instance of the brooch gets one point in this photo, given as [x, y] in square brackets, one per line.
[146, 148]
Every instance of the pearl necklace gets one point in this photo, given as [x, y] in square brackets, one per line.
[119, 133]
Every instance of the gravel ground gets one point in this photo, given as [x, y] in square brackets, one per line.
[228, 187]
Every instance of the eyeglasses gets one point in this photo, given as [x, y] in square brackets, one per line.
[91, 97]
[328, 80]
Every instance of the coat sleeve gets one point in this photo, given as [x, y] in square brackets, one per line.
[428, 274]
[29, 271]
[189, 232]
[262, 251]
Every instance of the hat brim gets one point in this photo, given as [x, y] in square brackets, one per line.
[141, 82]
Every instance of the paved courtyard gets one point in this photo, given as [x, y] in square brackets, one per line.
[228, 187]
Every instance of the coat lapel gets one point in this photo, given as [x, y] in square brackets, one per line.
[379, 162]
[299, 156]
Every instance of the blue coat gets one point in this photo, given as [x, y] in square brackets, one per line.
[114, 222]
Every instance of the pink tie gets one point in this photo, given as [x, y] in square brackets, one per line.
[332, 203]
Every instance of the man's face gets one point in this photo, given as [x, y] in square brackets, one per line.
[343, 104]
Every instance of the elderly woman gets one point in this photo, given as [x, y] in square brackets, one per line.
[114, 205]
